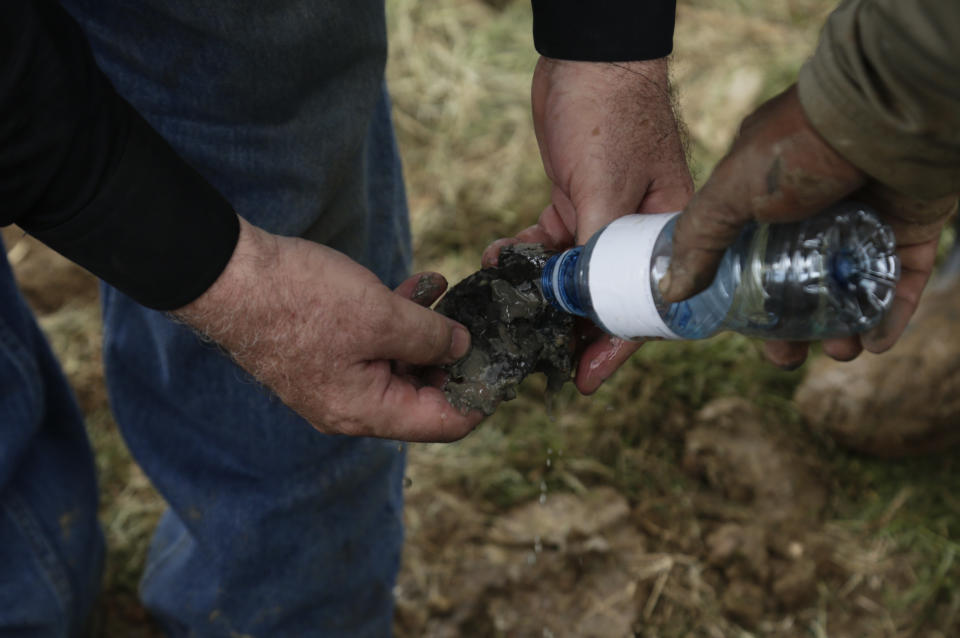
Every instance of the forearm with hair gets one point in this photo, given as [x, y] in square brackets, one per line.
[225, 314]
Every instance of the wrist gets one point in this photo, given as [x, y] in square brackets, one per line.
[234, 293]
[654, 73]
[613, 86]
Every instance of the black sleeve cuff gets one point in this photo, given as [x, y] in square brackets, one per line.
[85, 174]
[605, 31]
[156, 230]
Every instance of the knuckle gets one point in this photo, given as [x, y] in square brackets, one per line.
[711, 224]
[436, 338]
[376, 317]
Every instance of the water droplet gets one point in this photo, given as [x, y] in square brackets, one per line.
[549, 404]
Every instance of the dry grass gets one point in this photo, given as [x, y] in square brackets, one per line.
[459, 72]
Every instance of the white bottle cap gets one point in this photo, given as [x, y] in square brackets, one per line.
[619, 277]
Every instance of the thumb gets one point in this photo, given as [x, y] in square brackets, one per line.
[779, 169]
[418, 335]
[703, 232]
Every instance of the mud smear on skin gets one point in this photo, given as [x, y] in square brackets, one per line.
[429, 287]
[514, 331]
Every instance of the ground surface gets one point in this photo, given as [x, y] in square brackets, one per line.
[688, 497]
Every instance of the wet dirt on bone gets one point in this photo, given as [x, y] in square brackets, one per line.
[514, 331]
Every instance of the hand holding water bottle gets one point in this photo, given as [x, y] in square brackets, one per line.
[610, 146]
[780, 169]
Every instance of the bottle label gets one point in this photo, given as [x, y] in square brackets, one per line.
[619, 277]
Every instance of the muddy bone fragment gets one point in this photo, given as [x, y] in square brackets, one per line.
[514, 331]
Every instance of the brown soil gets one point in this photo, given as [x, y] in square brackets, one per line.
[747, 547]
[906, 401]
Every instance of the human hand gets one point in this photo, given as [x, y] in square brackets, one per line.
[610, 146]
[331, 341]
[778, 170]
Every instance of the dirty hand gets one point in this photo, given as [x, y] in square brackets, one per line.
[779, 169]
[331, 341]
[610, 145]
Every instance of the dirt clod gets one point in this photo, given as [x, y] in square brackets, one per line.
[563, 519]
[743, 601]
[514, 331]
[752, 463]
[796, 587]
[905, 401]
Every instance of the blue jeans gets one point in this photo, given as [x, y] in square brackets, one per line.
[273, 528]
[51, 549]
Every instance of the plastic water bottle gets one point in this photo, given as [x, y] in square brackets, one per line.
[828, 276]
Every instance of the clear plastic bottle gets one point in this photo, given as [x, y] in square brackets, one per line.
[828, 276]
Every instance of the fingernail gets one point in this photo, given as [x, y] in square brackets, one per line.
[429, 287]
[664, 284]
[460, 343]
[877, 339]
[884, 335]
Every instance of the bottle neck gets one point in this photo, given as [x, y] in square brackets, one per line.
[558, 282]
[608, 279]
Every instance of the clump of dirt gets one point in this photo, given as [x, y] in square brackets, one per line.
[566, 567]
[905, 401]
[515, 331]
[753, 463]
[771, 502]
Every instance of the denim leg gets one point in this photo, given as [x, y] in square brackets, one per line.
[389, 251]
[274, 529]
[51, 547]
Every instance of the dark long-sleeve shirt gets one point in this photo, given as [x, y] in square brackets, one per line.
[84, 173]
